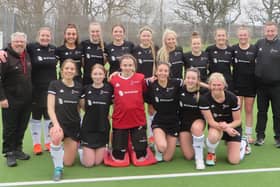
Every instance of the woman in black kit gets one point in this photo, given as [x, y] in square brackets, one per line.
[145, 54]
[171, 53]
[196, 57]
[95, 127]
[71, 49]
[221, 111]
[192, 122]
[244, 77]
[93, 51]
[64, 101]
[44, 62]
[117, 48]
[221, 56]
[163, 94]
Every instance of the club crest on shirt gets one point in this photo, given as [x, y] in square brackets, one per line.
[38, 49]
[89, 92]
[40, 58]
[156, 99]
[61, 91]
[118, 85]
[88, 47]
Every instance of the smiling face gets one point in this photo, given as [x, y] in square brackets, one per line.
[243, 36]
[68, 69]
[118, 33]
[97, 75]
[196, 45]
[127, 67]
[44, 37]
[170, 41]
[221, 37]
[146, 38]
[270, 32]
[95, 33]
[71, 35]
[162, 72]
[192, 80]
[18, 44]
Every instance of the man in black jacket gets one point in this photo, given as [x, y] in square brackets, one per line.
[267, 73]
[15, 98]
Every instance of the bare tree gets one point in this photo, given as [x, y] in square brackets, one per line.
[266, 10]
[208, 13]
[29, 15]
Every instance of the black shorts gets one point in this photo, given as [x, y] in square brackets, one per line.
[249, 91]
[94, 140]
[38, 112]
[138, 138]
[69, 132]
[186, 125]
[172, 130]
[228, 138]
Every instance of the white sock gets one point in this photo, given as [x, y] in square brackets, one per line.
[248, 131]
[149, 126]
[35, 128]
[80, 152]
[243, 144]
[47, 137]
[211, 147]
[57, 154]
[198, 147]
[158, 155]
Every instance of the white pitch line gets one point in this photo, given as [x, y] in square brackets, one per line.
[174, 175]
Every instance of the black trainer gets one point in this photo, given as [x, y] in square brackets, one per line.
[259, 142]
[11, 159]
[20, 155]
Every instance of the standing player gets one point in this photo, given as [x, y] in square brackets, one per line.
[145, 54]
[222, 112]
[192, 122]
[93, 51]
[268, 82]
[117, 48]
[64, 99]
[221, 56]
[95, 127]
[244, 77]
[128, 117]
[44, 62]
[171, 53]
[71, 49]
[163, 94]
[196, 57]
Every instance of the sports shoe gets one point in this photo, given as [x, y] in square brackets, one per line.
[259, 142]
[277, 143]
[20, 155]
[199, 164]
[37, 149]
[57, 176]
[248, 149]
[211, 159]
[47, 147]
[11, 159]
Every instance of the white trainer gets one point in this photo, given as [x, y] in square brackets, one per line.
[199, 164]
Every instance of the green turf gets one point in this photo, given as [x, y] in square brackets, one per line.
[41, 168]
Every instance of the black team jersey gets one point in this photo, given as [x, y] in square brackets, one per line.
[63, 53]
[66, 104]
[244, 66]
[200, 62]
[189, 104]
[145, 60]
[165, 101]
[220, 60]
[44, 63]
[93, 54]
[97, 105]
[114, 53]
[176, 60]
[220, 111]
